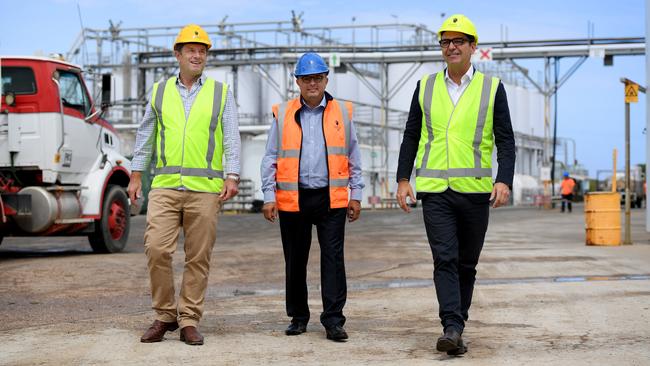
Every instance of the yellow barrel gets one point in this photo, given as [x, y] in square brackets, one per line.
[603, 218]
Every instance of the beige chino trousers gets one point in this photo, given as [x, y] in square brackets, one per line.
[170, 210]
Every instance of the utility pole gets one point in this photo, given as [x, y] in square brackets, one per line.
[647, 113]
[631, 96]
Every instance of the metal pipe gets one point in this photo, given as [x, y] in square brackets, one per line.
[647, 113]
[361, 55]
[556, 67]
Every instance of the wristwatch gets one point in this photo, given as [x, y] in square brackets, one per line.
[234, 177]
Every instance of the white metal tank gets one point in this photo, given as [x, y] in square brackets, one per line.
[520, 120]
[344, 86]
[249, 96]
[525, 188]
[253, 148]
[536, 113]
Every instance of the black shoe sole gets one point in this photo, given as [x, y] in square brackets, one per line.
[337, 339]
[446, 345]
[151, 341]
[460, 351]
[194, 343]
[341, 338]
[293, 332]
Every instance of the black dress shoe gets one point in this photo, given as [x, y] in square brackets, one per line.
[460, 351]
[296, 328]
[451, 342]
[336, 333]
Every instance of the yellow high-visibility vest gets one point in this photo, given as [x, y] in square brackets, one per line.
[456, 141]
[189, 151]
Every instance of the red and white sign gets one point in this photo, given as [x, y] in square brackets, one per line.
[483, 55]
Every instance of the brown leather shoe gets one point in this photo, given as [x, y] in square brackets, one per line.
[190, 335]
[157, 330]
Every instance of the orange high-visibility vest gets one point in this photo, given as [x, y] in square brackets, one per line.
[567, 186]
[336, 130]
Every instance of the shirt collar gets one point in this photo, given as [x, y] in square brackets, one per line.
[467, 77]
[323, 103]
[201, 79]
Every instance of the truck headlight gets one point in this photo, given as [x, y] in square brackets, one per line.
[10, 99]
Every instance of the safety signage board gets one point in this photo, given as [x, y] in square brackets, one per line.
[482, 55]
[335, 60]
[631, 93]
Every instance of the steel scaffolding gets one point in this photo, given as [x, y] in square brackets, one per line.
[364, 50]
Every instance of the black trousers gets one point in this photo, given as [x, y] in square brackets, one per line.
[456, 224]
[567, 198]
[296, 228]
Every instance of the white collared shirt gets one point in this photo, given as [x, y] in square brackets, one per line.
[455, 90]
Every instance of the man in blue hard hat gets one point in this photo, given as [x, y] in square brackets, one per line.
[311, 175]
[567, 186]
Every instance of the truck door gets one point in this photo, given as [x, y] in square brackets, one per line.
[80, 150]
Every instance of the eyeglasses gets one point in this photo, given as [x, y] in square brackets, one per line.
[309, 78]
[444, 43]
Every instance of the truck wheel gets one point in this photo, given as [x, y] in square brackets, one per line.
[112, 229]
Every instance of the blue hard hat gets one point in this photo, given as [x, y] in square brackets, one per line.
[566, 174]
[310, 63]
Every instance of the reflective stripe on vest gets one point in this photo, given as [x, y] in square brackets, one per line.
[289, 142]
[189, 149]
[456, 141]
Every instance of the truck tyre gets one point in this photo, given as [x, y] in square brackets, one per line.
[112, 229]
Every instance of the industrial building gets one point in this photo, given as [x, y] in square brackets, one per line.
[376, 67]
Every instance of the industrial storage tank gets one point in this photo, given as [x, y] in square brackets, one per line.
[536, 113]
[520, 120]
[525, 189]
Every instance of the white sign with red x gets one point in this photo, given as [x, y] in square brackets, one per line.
[483, 55]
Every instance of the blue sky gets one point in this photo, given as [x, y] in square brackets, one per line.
[590, 107]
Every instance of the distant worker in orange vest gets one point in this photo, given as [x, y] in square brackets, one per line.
[311, 166]
[567, 186]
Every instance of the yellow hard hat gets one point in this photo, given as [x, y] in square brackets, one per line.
[458, 23]
[192, 33]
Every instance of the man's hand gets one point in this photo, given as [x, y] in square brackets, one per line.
[500, 195]
[404, 190]
[229, 189]
[354, 210]
[135, 187]
[270, 211]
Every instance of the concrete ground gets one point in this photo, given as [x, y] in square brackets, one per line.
[542, 298]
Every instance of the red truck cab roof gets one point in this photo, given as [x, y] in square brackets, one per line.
[31, 79]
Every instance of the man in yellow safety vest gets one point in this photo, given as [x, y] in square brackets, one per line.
[191, 123]
[456, 117]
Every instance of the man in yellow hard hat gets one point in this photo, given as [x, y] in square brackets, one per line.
[191, 122]
[456, 117]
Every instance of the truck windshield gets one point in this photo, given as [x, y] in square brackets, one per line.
[18, 80]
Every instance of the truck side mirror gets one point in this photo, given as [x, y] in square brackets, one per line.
[106, 91]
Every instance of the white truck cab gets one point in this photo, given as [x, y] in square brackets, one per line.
[61, 170]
